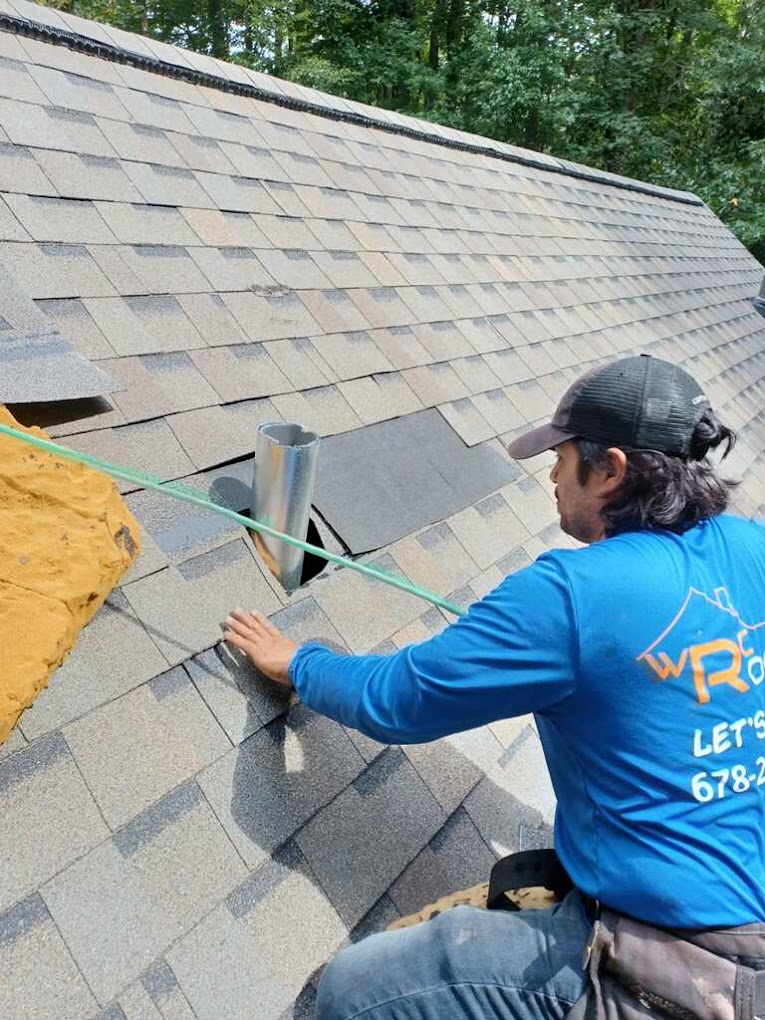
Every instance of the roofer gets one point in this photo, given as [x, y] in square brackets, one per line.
[642, 656]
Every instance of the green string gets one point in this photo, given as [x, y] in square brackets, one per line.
[189, 495]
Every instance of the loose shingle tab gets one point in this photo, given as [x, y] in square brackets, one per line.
[46, 367]
[37, 363]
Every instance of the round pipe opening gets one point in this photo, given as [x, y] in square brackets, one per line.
[288, 434]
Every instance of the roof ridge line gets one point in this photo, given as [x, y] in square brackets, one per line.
[108, 51]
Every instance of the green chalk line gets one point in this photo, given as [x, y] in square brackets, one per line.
[189, 495]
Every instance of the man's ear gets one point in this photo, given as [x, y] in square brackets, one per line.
[615, 470]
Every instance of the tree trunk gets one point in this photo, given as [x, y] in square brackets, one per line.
[218, 28]
[455, 24]
[436, 32]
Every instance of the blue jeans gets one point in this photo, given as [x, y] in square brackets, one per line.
[465, 964]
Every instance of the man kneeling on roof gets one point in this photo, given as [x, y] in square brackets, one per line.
[640, 656]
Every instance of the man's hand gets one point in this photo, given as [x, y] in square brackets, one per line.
[265, 646]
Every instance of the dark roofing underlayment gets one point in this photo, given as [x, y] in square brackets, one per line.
[231, 248]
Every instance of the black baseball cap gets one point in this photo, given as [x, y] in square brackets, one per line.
[642, 403]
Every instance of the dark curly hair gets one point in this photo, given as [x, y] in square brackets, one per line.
[664, 492]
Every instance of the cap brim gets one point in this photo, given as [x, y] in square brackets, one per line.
[537, 441]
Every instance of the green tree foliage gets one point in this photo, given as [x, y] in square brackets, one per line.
[669, 91]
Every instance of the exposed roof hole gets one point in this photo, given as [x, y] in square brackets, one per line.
[59, 412]
[313, 565]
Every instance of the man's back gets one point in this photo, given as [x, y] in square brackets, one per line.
[658, 756]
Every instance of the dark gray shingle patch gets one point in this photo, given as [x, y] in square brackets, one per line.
[159, 981]
[112, 1012]
[35, 759]
[21, 918]
[265, 789]
[456, 858]
[361, 841]
[378, 484]
[144, 829]
[382, 914]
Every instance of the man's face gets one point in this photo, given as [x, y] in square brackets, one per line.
[578, 505]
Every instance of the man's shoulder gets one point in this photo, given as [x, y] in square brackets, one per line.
[632, 554]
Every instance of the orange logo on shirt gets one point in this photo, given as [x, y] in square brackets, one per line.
[726, 652]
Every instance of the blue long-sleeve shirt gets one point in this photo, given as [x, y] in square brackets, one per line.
[643, 658]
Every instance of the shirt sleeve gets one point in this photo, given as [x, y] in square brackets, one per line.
[516, 651]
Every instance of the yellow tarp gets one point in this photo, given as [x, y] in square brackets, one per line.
[66, 538]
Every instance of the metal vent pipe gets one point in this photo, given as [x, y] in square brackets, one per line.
[286, 455]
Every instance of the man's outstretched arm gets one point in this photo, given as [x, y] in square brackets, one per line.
[515, 652]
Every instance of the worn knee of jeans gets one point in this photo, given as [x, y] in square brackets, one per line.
[339, 977]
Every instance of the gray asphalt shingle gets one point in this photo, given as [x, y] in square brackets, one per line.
[53, 986]
[252, 955]
[55, 270]
[113, 654]
[137, 748]
[157, 384]
[50, 817]
[234, 260]
[207, 587]
[157, 877]
[266, 788]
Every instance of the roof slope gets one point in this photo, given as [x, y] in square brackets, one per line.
[231, 248]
